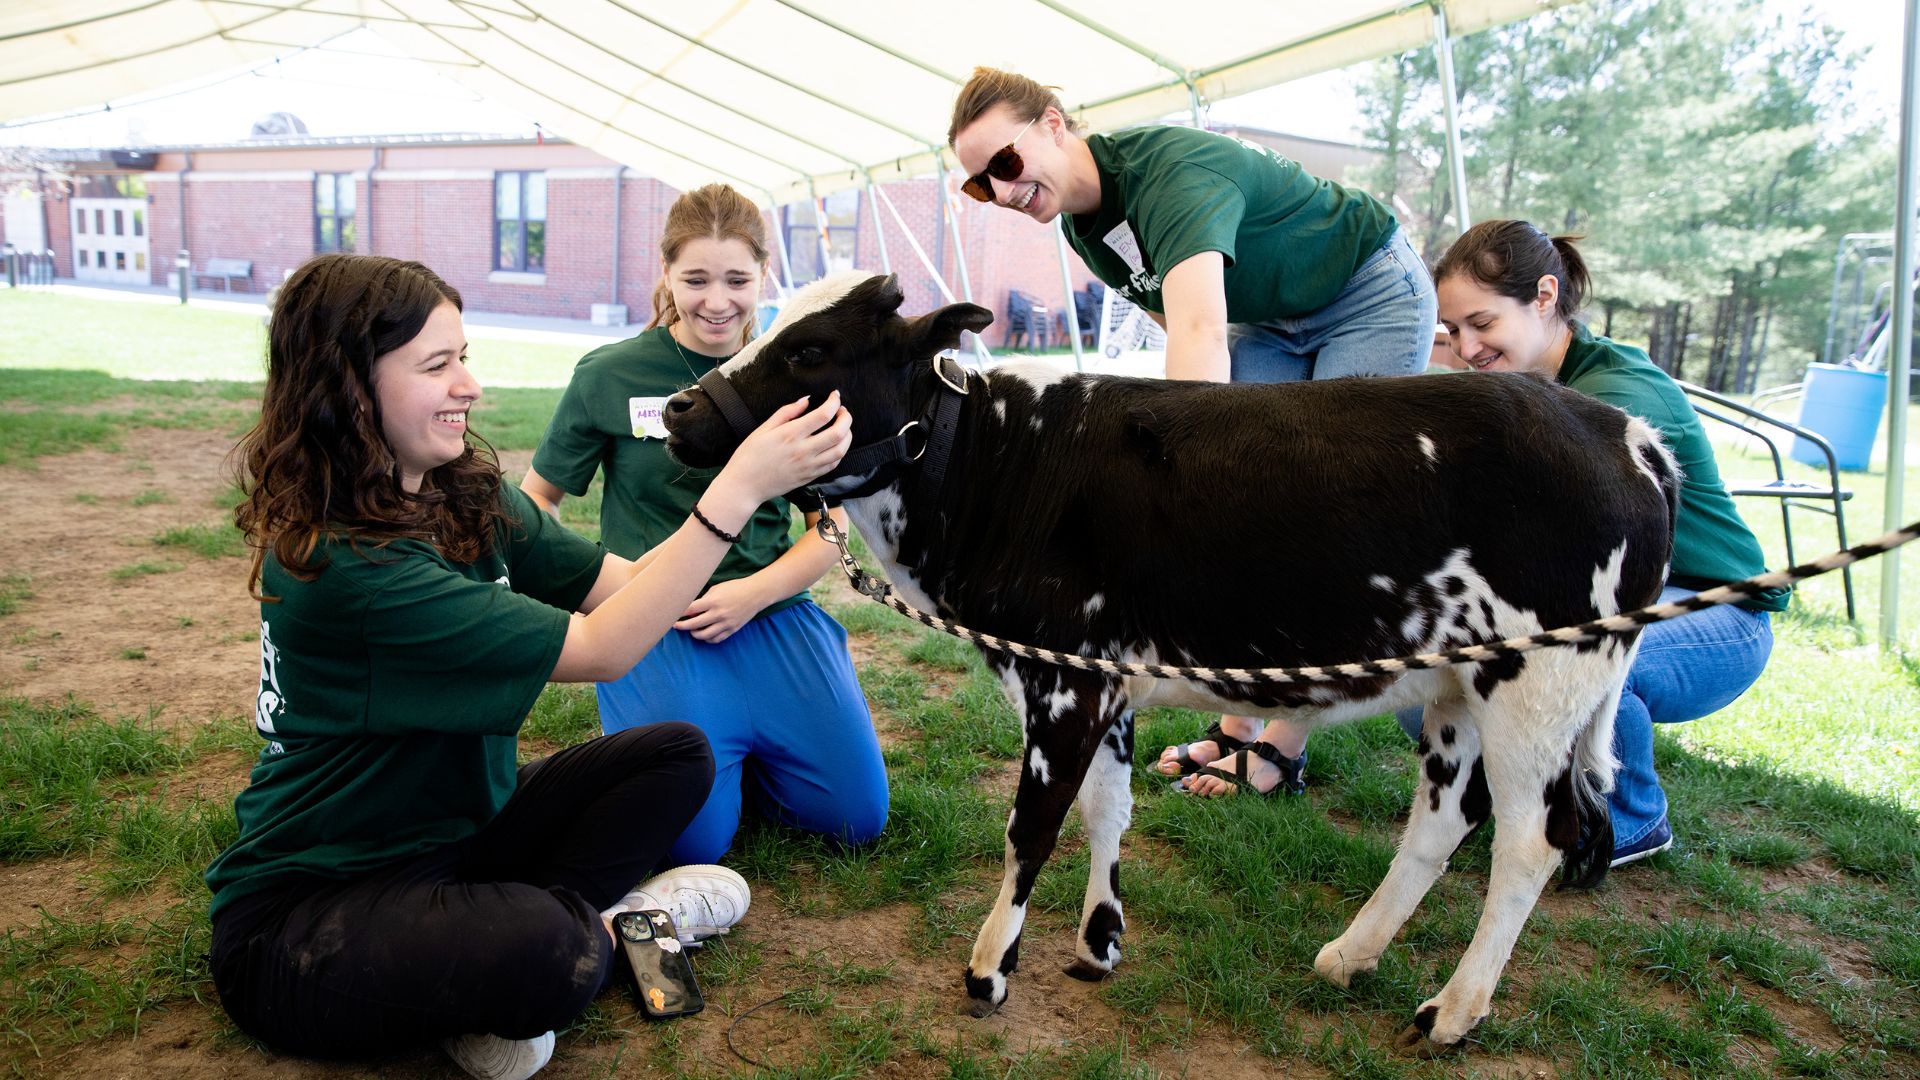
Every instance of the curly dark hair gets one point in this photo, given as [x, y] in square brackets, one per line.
[317, 465]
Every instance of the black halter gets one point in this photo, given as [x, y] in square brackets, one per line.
[926, 440]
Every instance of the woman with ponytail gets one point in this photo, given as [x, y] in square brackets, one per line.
[1508, 297]
[752, 662]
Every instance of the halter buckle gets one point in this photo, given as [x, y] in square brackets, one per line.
[940, 363]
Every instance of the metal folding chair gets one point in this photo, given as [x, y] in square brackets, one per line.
[1792, 494]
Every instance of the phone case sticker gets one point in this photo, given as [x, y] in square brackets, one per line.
[658, 997]
[645, 412]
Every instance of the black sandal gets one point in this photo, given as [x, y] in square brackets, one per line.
[1293, 771]
[1227, 744]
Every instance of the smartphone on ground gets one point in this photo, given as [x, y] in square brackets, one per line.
[662, 978]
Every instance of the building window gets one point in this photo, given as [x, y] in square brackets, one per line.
[80, 222]
[100, 222]
[119, 223]
[841, 229]
[140, 261]
[139, 223]
[333, 212]
[99, 260]
[520, 221]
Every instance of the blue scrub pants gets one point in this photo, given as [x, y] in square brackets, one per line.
[788, 725]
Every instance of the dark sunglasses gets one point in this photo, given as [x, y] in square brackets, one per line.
[1005, 164]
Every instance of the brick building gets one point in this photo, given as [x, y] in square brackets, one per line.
[520, 226]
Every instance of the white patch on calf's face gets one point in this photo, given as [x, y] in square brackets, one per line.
[816, 297]
[1426, 447]
[1381, 582]
[1095, 603]
[1000, 411]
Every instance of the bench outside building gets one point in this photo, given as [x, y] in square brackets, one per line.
[228, 271]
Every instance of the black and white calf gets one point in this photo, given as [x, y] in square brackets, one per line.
[1247, 526]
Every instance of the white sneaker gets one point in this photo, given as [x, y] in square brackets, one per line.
[490, 1057]
[703, 900]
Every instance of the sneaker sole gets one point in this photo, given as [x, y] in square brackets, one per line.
[1638, 855]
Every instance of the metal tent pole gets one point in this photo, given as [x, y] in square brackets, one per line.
[1899, 388]
[879, 229]
[780, 241]
[1833, 306]
[1066, 286]
[933, 271]
[959, 253]
[820, 228]
[1443, 49]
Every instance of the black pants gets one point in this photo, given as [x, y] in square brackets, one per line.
[500, 933]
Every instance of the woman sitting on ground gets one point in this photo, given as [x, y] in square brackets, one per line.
[397, 879]
[1508, 295]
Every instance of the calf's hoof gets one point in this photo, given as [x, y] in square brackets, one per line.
[1414, 1043]
[1339, 969]
[1428, 1036]
[985, 994]
[1087, 971]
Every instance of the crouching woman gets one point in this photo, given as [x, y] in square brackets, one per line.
[398, 878]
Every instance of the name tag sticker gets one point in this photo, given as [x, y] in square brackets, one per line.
[645, 414]
[1125, 245]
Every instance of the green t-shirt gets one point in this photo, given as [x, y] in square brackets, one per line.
[609, 417]
[391, 689]
[1711, 544]
[1290, 239]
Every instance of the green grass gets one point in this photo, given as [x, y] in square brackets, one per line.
[47, 330]
[13, 589]
[143, 568]
[61, 767]
[207, 541]
[1792, 893]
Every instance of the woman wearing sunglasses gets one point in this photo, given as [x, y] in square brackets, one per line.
[1259, 271]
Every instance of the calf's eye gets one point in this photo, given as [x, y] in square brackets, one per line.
[808, 355]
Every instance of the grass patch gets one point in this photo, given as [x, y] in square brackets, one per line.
[143, 568]
[215, 541]
[13, 589]
[61, 767]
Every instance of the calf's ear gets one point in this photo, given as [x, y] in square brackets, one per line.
[941, 329]
[886, 296]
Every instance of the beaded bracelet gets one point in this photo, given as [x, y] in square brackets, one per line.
[731, 538]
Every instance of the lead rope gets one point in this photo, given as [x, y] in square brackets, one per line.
[878, 589]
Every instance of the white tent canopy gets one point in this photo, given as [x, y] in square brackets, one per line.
[786, 99]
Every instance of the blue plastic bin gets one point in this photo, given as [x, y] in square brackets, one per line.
[1843, 405]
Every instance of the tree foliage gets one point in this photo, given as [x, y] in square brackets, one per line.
[1704, 148]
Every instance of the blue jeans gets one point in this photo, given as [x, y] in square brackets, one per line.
[1687, 668]
[788, 725]
[1380, 324]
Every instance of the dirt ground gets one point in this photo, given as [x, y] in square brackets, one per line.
[182, 645]
[196, 635]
